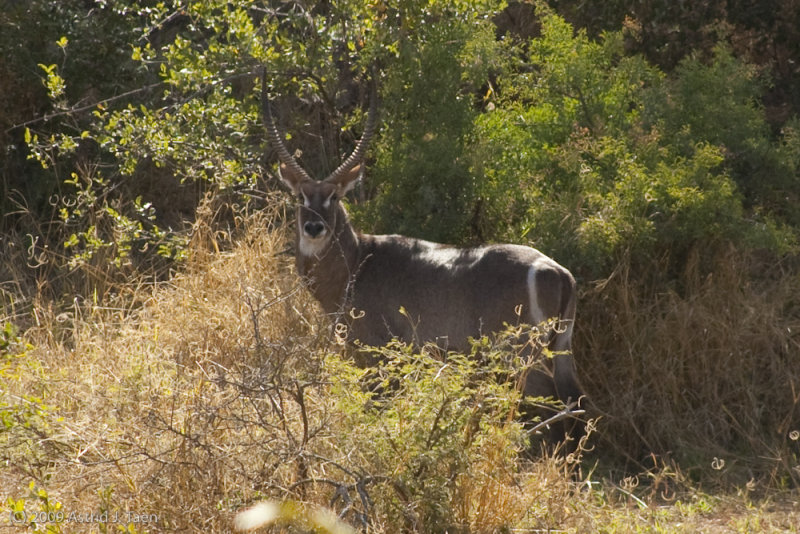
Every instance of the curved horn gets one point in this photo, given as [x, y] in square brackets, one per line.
[361, 147]
[274, 136]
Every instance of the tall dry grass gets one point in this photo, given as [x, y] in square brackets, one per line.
[182, 402]
[145, 415]
[706, 375]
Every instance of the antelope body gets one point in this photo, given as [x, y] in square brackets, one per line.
[388, 286]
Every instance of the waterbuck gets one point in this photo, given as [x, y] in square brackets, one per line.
[387, 286]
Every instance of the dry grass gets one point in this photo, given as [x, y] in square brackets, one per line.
[143, 412]
[185, 401]
[710, 374]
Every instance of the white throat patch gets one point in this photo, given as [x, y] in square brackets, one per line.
[312, 247]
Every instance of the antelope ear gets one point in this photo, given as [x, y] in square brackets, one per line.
[291, 178]
[346, 180]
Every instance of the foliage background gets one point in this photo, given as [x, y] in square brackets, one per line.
[652, 149]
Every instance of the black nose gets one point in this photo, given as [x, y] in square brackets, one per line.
[313, 228]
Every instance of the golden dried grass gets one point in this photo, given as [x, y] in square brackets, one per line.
[159, 402]
[135, 388]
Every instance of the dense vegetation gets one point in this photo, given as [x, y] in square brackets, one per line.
[158, 356]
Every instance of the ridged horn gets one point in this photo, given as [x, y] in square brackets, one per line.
[275, 138]
[361, 147]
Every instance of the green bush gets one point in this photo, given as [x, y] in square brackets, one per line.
[421, 182]
[432, 425]
[717, 101]
[602, 159]
[571, 143]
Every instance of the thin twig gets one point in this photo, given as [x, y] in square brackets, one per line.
[47, 116]
[563, 414]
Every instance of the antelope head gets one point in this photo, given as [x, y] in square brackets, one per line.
[319, 212]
